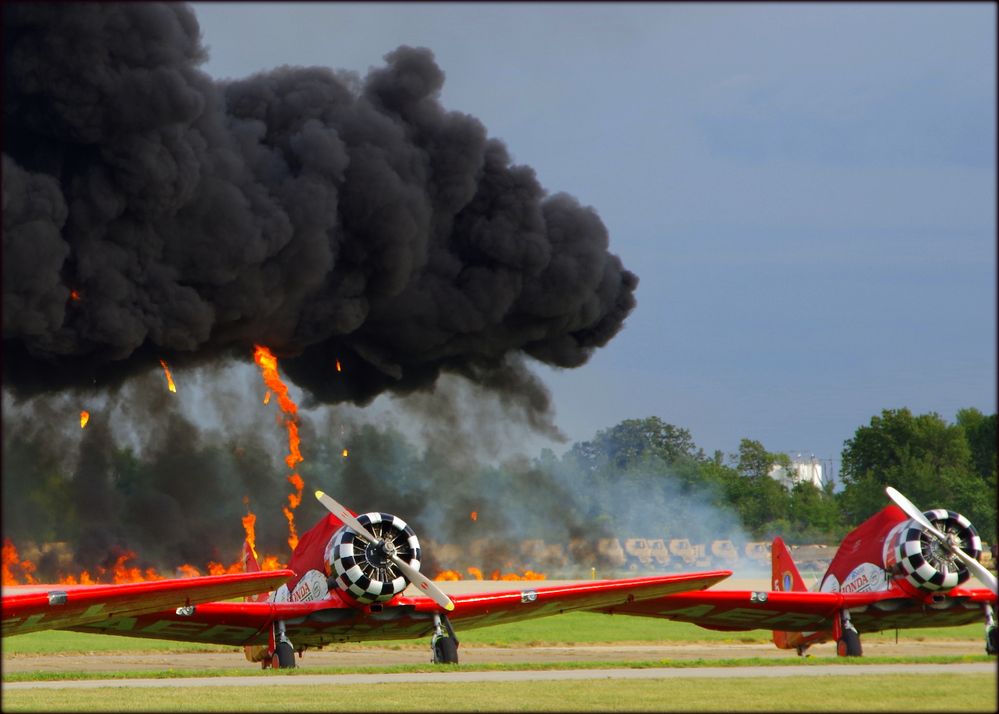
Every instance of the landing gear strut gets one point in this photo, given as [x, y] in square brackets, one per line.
[284, 652]
[443, 645]
[848, 642]
[990, 631]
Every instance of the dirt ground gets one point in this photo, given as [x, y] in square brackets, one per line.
[354, 655]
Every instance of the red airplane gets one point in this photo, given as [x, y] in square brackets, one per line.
[900, 569]
[30, 608]
[349, 576]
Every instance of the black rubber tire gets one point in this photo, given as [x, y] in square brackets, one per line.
[285, 655]
[849, 644]
[445, 651]
[990, 642]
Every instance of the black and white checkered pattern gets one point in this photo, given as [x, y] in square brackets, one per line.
[913, 552]
[363, 580]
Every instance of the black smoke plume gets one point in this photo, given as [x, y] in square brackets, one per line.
[152, 212]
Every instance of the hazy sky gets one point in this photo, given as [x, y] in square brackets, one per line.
[807, 191]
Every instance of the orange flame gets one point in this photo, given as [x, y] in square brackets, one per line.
[267, 397]
[84, 418]
[294, 454]
[344, 453]
[338, 367]
[74, 295]
[528, 575]
[476, 574]
[474, 516]
[17, 571]
[249, 523]
[166, 370]
[268, 366]
[12, 561]
[271, 562]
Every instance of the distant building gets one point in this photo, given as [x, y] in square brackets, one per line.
[802, 470]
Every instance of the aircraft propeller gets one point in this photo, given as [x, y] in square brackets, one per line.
[980, 571]
[412, 574]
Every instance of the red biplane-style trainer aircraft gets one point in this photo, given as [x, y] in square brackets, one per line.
[30, 608]
[900, 569]
[349, 576]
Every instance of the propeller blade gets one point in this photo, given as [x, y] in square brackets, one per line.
[914, 513]
[979, 570]
[423, 583]
[346, 516]
[412, 574]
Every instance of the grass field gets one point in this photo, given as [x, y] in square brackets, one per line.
[959, 692]
[571, 628]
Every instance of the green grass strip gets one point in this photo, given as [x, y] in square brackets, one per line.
[959, 692]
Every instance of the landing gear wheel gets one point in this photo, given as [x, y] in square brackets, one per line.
[849, 644]
[990, 642]
[445, 651]
[284, 656]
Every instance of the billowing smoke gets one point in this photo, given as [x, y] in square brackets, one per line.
[152, 212]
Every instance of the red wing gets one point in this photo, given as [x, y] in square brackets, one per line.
[324, 621]
[481, 610]
[42, 607]
[810, 611]
[740, 609]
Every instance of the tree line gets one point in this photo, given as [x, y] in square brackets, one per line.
[936, 463]
[641, 478]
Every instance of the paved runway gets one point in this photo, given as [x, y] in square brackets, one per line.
[834, 670]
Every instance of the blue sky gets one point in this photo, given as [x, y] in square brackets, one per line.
[807, 191]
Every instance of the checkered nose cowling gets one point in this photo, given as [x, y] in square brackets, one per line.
[928, 564]
[364, 571]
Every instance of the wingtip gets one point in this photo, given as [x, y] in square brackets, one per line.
[319, 494]
[449, 607]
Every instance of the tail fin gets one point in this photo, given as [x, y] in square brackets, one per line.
[250, 565]
[249, 558]
[786, 578]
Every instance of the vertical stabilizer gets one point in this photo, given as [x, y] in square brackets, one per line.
[249, 558]
[785, 578]
[250, 565]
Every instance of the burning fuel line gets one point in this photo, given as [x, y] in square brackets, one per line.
[268, 364]
[169, 378]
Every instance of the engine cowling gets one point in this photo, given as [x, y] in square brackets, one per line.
[363, 570]
[922, 560]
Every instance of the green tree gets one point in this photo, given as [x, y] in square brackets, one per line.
[924, 457]
[633, 440]
[980, 431]
[760, 500]
[814, 514]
